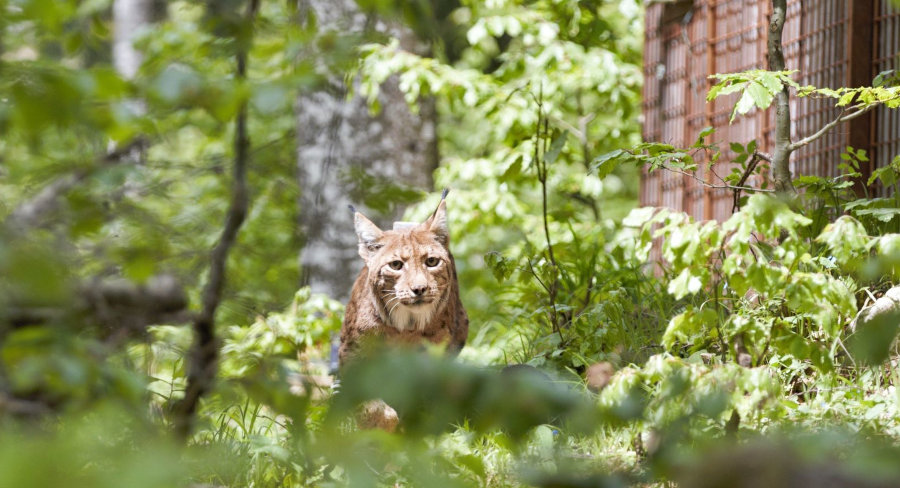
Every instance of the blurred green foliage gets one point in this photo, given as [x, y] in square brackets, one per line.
[740, 359]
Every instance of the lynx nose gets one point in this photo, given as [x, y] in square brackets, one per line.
[419, 290]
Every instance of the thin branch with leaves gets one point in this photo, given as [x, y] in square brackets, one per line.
[203, 363]
[541, 163]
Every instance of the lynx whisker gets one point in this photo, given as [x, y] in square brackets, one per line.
[391, 312]
[388, 302]
[393, 307]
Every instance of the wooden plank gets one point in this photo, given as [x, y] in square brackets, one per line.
[860, 44]
[710, 106]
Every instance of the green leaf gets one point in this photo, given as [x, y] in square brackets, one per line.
[744, 104]
[684, 284]
[887, 175]
[846, 98]
[822, 298]
[761, 96]
[684, 326]
[556, 146]
[177, 82]
[771, 82]
[714, 92]
[700, 142]
[473, 463]
[501, 266]
[881, 214]
[751, 146]
[604, 164]
[846, 239]
[889, 77]
[643, 215]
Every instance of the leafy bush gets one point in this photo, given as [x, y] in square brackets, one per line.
[588, 365]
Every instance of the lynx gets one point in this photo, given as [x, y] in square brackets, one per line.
[407, 292]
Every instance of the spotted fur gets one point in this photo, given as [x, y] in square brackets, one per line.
[407, 292]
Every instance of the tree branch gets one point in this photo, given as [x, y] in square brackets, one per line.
[121, 308]
[781, 157]
[22, 408]
[716, 187]
[203, 361]
[827, 127]
[542, 171]
[754, 160]
[30, 212]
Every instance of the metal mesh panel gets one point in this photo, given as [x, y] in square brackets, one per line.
[829, 41]
[885, 140]
[697, 35]
[739, 45]
[650, 184]
[816, 45]
[673, 107]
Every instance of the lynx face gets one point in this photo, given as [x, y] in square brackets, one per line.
[410, 271]
[407, 294]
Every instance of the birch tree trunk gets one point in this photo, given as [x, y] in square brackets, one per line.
[338, 139]
[129, 18]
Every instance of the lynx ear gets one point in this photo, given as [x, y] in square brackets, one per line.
[437, 223]
[369, 234]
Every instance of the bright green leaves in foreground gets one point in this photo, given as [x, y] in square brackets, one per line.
[463, 426]
[698, 388]
[759, 87]
[744, 329]
[764, 282]
[846, 241]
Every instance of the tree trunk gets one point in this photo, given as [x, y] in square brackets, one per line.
[339, 141]
[781, 156]
[129, 18]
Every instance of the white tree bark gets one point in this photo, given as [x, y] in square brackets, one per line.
[129, 17]
[336, 138]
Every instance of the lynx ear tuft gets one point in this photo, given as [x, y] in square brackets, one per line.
[368, 233]
[437, 223]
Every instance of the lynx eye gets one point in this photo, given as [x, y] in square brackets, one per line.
[432, 262]
[396, 264]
